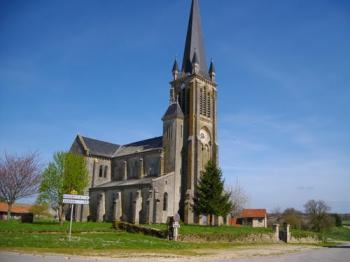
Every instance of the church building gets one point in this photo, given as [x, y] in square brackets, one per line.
[148, 181]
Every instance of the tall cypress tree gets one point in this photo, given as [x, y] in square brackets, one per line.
[210, 198]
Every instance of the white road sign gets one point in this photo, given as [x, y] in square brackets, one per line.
[78, 197]
[75, 201]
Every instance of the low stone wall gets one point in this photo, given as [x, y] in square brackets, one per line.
[222, 237]
[272, 237]
[305, 240]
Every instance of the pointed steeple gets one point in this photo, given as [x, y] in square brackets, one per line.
[175, 66]
[212, 67]
[212, 72]
[195, 64]
[194, 42]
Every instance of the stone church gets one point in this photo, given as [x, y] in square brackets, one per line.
[149, 180]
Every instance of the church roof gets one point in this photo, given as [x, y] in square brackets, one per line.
[105, 149]
[194, 42]
[174, 110]
[100, 148]
[148, 144]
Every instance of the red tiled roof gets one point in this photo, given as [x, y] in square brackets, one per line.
[16, 208]
[250, 213]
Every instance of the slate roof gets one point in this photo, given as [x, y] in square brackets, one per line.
[100, 148]
[253, 213]
[194, 42]
[148, 144]
[174, 110]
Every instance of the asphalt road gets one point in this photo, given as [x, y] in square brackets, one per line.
[335, 254]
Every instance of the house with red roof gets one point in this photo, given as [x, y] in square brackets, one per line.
[18, 210]
[253, 217]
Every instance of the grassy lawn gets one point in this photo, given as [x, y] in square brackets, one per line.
[339, 233]
[346, 222]
[103, 239]
[88, 238]
[50, 226]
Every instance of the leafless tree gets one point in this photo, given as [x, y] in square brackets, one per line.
[319, 218]
[239, 199]
[19, 178]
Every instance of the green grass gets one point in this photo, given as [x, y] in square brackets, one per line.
[103, 239]
[339, 233]
[88, 238]
[51, 226]
[346, 222]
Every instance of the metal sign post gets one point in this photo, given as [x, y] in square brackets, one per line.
[74, 200]
[70, 222]
[176, 226]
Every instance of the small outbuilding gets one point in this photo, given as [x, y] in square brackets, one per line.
[253, 217]
[18, 210]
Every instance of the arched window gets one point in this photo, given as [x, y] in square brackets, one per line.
[165, 202]
[101, 171]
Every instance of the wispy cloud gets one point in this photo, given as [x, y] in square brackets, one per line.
[288, 156]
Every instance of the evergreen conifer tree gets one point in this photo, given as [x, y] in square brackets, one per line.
[210, 198]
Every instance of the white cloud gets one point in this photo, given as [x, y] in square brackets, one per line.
[284, 162]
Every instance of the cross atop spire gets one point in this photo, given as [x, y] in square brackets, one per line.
[194, 42]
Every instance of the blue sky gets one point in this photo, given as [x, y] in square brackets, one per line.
[102, 69]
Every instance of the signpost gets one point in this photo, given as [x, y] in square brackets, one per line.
[176, 226]
[74, 199]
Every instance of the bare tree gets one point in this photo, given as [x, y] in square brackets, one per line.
[317, 212]
[293, 217]
[19, 178]
[239, 199]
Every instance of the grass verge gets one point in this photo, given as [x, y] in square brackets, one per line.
[91, 239]
[339, 234]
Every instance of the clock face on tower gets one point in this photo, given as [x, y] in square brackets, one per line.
[204, 137]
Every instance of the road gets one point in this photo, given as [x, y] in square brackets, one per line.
[335, 254]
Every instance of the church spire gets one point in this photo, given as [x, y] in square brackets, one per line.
[194, 42]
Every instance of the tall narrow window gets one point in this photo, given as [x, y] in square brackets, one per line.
[105, 172]
[209, 106]
[204, 103]
[184, 100]
[201, 101]
[165, 202]
[100, 174]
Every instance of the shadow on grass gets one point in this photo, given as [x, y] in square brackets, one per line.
[45, 223]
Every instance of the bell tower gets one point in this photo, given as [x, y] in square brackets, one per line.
[196, 90]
